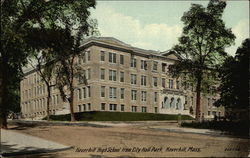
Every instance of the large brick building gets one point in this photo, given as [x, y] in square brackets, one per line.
[120, 78]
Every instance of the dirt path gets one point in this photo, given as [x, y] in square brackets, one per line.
[137, 140]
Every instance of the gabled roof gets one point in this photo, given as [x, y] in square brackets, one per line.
[171, 54]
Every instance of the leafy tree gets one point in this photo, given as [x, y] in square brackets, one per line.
[202, 44]
[234, 87]
[18, 18]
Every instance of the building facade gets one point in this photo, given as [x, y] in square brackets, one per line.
[119, 78]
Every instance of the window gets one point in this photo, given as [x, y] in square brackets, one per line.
[102, 55]
[89, 92]
[88, 55]
[155, 96]
[122, 93]
[170, 83]
[88, 74]
[35, 78]
[102, 91]
[177, 84]
[112, 107]
[84, 92]
[208, 101]
[89, 106]
[102, 75]
[121, 59]
[102, 106]
[84, 57]
[133, 79]
[208, 113]
[134, 108]
[163, 82]
[112, 75]
[84, 107]
[112, 92]
[143, 109]
[143, 80]
[112, 57]
[79, 108]
[143, 95]
[155, 64]
[121, 76]
[156, 109]
[54, 100]
[163, 67]
[57, 99]
[122, 107]
[133, 94]
[143, 65]
[155, 81]
[185, 99]
[81, 79]
[133, 62]
[79, 94]
[192, 100]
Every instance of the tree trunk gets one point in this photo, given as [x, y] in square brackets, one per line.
[4, 94]
[198, 98]
[48, 101]
[71, 104]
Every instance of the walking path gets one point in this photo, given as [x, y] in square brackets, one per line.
[191, 131]
[14, 143]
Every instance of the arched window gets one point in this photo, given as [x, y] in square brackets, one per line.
[165, 102]
[178, 104]
[171, 102]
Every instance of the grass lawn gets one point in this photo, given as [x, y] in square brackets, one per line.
[117, 116]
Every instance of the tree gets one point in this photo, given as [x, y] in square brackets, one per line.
[18, 18]
[202, 44]
[234, 87]
[67, 68]
[45, 67]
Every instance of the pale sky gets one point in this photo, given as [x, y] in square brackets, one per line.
[156, 25]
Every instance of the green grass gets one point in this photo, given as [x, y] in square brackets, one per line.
[117, 116]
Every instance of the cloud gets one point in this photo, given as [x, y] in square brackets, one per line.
[155, 36]
[241, 31]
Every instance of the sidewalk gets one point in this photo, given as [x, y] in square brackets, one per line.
[191, 131]
[14, 143]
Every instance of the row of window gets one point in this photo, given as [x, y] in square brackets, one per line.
[84, 107]
[214, 113]
[40, 103]
[133, 79]
[113, 93]
[42, 113]
[84, 92]
[86, 74]
[83, 57]
[38, 90]
[110, 107]
[133, 63]
[32, 79]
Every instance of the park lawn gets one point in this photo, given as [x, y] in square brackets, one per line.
[118, 116]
